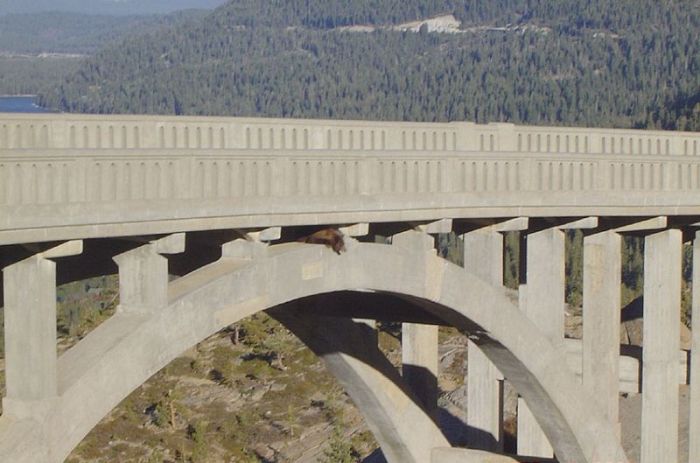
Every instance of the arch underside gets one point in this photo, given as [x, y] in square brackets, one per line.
[123, 352]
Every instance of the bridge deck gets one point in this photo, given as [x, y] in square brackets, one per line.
[75, 176]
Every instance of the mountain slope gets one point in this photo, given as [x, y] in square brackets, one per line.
[104, 7]
[78, 33]
[562, 62]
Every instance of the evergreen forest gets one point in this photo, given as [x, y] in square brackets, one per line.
[600, 63]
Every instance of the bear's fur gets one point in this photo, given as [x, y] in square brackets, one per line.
[331, 237]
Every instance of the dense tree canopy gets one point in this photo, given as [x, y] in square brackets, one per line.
[610, 63]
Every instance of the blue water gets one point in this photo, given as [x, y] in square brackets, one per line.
[19, 104]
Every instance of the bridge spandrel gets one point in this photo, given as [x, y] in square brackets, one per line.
[74, 176]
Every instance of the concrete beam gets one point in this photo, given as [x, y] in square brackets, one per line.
[358, 229]
[515, 224]
[662, 301]
[602, 269]
[483, 256]
[265, 234]
[584, 223]
[69, 248]
[655, 223]
[694, 431]
[439, 226]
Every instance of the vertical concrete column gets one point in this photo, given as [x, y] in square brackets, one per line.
[602, 268]
[419, 354]
[143, 274]
[30, 330]
[483, 256]
[662, 301]
[419, 343]
[543, 303]
[694, 432]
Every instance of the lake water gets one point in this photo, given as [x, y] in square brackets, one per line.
[19, 104]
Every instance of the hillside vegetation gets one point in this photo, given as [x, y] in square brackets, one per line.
[40, 50]
[78, 33]
[599, 63]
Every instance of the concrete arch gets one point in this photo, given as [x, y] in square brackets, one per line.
[96, 374]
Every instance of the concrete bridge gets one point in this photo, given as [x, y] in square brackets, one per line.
[226, 200]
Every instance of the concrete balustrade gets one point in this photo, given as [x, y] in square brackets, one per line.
[75, 131]
[56, 170]
[72, 177]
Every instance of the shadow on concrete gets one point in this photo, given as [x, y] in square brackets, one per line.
[337, 334]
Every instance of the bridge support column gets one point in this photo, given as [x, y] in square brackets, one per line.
[602, 268]
[694, 432]
[30, 332]
[483, 256]
[419, 354]
[543, 303]
[419, 343]
[662, 292]
[143, 274]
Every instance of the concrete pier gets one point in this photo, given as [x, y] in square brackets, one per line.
[419, 353]
[30, 330]
[543, 303]
[483, 256]
[602, 262]
[662, 301]
[29, 288]
[694, 432]
[143, 274]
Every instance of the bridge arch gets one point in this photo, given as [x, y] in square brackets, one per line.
[122, 353]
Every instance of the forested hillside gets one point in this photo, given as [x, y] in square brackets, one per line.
[622, 63]
[39, 50]
[78, 33]
[105, 7]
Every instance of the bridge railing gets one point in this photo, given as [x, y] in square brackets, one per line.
[67, 176]
[70, 170]
[71, 131]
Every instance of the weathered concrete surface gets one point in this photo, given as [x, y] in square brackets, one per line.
[662, 304]
[483, 256]
[118, 356]
[30, 333]
[694, 432]
[143, 274]
[419, 358]
[71, 176]
[602, 270]
[544, 306]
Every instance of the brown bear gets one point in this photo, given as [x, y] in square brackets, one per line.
[331, 237]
